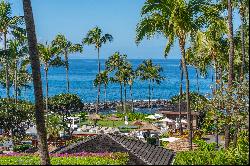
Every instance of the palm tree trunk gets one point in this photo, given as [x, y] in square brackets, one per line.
[125, 96]
[131, 96]
[230, 74]
[197, 79]
[67, 70]
[121, 94]
[7, 67]
[15, 81]
[105, 95]
[181, 130]
[99, 86]
[221, 74]
[35, 65]
[236, 134]
[149, 93]
[189, 119]
[47, 89]
[242, 16]
[98, 98]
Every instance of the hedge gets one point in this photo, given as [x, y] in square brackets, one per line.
[68, 159]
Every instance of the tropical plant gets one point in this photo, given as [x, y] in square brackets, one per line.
[7, 24]
[15, 117]
[49, 57]
[172, 19]
[66, 48]
[54, 125]
[102, 78]
[113, 64]
[147, 71]
[65, 105]
[37, 82]
[95, 37]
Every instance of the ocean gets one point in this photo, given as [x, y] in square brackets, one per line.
[82, 72]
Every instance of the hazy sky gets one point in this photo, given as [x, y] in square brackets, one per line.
[74, 18]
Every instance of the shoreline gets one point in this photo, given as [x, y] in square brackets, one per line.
[138, 104]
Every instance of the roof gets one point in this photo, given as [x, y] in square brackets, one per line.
[149, 126]
[94, 117]
[140, 153]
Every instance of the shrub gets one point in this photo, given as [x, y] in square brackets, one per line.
[151, 140]
[65, 102]
[21, 148]
[68, 159]
[222, 157]
[203, 145]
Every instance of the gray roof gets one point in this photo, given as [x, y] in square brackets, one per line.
[139, 152]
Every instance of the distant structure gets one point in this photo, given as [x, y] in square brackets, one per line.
[172, 112]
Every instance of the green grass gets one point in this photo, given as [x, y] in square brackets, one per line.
[109, 123]
[106, 123]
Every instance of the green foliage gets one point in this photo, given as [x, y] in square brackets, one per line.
[206, 155]
[54, 125]
[198, 103]
[132, 116]
[22, 148]
[63, 103]
[203, 145]
[114, 159]
[82, 116]
[221, 157]
[15, 117]
[151, 140]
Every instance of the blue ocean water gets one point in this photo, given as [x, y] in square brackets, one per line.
[83, 71]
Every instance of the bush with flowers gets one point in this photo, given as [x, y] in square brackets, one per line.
[83, 158]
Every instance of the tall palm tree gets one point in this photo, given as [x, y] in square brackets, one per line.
[113, 64]
[95, 37]
[37, 82]
[172, 19]
[66, 48]
[131, 78]
[7, 23]
[122, 75]
[19, 56]
[102, 78]
[243, 6]
[231, 65]
[49, 57]
[147, 71]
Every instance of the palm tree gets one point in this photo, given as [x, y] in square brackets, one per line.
[18, 53]
[37, 82]
[7, 22]
[66, 48]
[131, 78]
[122, 75]
[231, 66]
[173, 19]
[49, 56]
[95, 37]
[113, 64]
[102, 78]
[150, 72]
[243, 6]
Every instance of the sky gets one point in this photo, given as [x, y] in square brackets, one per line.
[74, 18]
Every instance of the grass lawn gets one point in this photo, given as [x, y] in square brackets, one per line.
[109, 123]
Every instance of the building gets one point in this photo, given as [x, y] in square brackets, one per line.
[140, 153]
[172, 112]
